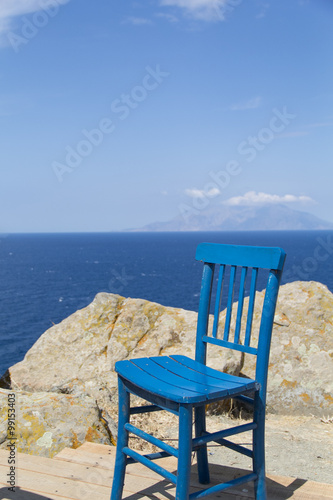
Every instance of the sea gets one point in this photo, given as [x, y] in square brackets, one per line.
[46, 277]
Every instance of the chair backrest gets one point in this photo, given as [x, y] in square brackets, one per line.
[241, 266]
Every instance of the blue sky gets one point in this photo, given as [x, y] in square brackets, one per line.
[117, 114]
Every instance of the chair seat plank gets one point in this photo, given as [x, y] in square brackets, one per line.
[220, 387]
[206, 370]
[156, 379]
[195, 376]
[128, 371]
[162, 372]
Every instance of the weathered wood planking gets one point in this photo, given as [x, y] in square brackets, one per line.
[86, 473]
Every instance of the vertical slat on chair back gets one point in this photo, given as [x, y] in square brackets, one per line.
[218, 299]
[204, 308]
[234, 271]
[253, 288]
[237, 269]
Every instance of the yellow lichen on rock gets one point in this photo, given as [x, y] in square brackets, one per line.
[45, 423]
[71, 383]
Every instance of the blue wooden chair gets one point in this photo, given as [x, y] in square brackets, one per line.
[182, 385]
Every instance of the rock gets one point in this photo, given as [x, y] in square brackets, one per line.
[78, 355]
[301, 360]
[74, 350]
[46, 423]
[71, 365]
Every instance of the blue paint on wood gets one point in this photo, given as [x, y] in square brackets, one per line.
[182, 385]
[230, 303]
[218, 301]
[251, 306]
[240, 305]
[241, 255]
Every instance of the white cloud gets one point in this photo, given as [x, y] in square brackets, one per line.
[253, 198]
[207, 10]
[296, 133]
[320, 124]
[10, 9]
[263, 10]
[4, 26]
[138, 21]
[253, 103]
[201, 193]
[168, 17]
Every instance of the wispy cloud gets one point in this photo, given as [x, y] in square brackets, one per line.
[252, 103]
[253, 198]
[138, 21]
[207, 10]
[296, 133]
[201, 193]
[306, 129]
[9, 9]
[4, 28]
[320, 124]
[168, 17]
[263, 10]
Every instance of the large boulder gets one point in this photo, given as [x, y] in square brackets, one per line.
[71, 366]
[45, 423]
[77, 356]
[301, 360]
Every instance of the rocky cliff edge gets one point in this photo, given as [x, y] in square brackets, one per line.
[66, 389]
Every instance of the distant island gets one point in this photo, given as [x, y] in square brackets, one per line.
[240, 218]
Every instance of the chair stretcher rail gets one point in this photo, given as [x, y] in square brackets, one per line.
[235, 447]
[151, 465]
[152, 440]
[144, 409]
[224, 486]
[214, 436]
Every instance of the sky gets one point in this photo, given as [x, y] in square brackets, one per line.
[116, 114]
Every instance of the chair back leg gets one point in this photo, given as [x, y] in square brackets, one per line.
[259, 448]
[121, 459]
[202, 458]
[184, 452]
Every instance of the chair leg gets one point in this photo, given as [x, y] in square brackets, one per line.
[202, 458]
[259, 449]
[120, 464]
[184, 452]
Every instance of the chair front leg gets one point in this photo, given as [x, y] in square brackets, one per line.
[184, 452]
[202, 458]
[121, 458]
[259, 448]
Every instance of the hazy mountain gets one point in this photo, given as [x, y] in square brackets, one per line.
[241, 218]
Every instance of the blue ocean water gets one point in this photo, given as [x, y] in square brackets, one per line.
[46, 277]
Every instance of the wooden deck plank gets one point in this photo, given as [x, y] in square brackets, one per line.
[57, 468]
[86, 473]
[61, 471]
[22, 494]
[42, 486]
[278, 485]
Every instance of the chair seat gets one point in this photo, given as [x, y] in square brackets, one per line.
[182, 380]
